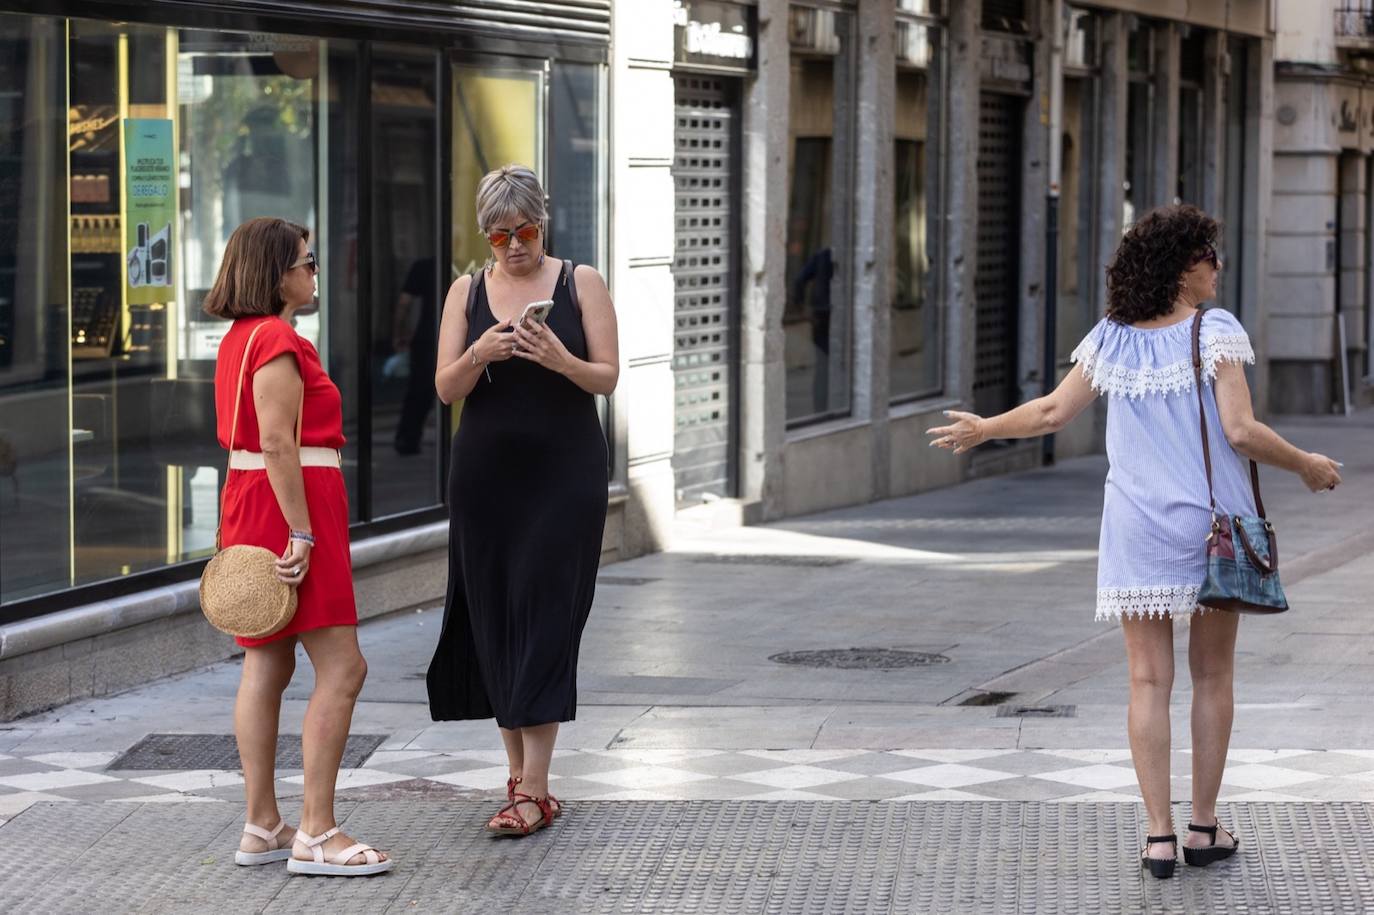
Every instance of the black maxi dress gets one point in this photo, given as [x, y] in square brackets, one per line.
[527, 497]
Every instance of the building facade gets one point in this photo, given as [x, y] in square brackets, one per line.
[1320, 277]
[824, 222]
[928, 193]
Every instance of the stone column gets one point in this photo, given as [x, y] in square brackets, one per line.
[763, 285]
[1164, 154]
[642, 238]
[961, 203]
[873, 224]
[1214, 115]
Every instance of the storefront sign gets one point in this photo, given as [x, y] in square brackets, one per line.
[149, 209]
[714, 34]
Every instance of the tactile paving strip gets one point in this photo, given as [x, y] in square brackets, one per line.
[221, 751]
[702, 857]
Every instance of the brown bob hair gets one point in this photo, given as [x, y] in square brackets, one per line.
[257, 257]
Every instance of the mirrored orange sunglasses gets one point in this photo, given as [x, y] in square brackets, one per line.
[500, 238]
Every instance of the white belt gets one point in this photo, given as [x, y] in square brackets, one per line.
[310, 457]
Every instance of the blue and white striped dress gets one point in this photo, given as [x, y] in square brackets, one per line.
[1155, 517]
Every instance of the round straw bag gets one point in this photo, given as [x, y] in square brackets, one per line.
[240, 592]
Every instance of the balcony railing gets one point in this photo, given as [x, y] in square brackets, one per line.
[1355, 19]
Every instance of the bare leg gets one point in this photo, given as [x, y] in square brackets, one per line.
[1212, 662]
[515, 751]
[538, 755]
[267, 671]
[339, 674]
[1150, 657]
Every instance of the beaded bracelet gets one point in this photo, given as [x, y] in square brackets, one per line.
[303, 537]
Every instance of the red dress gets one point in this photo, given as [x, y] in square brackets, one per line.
[251, 513]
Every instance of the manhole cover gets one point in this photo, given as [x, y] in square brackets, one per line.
[807, 562]
[859, 658]
[220, 751]
[1037, 711]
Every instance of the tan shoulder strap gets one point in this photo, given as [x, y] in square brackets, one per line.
[234, 424]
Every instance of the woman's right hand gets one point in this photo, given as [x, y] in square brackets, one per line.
[294, 563]
[1320, 473]
[496, 345]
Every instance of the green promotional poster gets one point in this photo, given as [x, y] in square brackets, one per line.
[149, 209]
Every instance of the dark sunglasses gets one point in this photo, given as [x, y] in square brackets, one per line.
[1208, 256]
[308, 261]
[500, 238]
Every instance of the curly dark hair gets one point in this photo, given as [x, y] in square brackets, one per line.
[1146, 273]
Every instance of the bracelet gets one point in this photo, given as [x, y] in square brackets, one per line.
[472, 351]
[303, 537]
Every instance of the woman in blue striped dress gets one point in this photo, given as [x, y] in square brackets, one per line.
[1155, 514]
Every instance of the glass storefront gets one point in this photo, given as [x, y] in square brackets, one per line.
[130, 153]
[916, 345]
[817, 319]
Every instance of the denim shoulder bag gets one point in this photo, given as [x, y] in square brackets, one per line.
[1244, 580]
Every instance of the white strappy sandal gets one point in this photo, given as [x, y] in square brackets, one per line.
[274, 851]
[338, 866]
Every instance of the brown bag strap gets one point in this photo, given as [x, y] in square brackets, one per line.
[234, 424]
[1202, 422]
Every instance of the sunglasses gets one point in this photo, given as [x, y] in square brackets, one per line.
[1208, 256]
[500, 238]
[308, 261]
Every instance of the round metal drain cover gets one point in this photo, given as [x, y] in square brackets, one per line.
[859, 658]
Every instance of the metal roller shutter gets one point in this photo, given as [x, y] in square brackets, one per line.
[703, 274]
[995, 284]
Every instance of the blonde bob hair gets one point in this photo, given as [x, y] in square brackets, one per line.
[511, 190]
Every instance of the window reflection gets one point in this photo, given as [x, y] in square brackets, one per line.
[914, 337]
[816, 320]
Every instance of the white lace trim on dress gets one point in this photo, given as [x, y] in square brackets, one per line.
[1164, 600]
[1118, 380]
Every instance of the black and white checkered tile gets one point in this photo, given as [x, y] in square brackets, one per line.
[1057, 775]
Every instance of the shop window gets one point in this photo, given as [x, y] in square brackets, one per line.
[1137, 197]
[577, 165]
[35, 433]
[407, 286]
[1192, 67]
[915, 342]
[817, 319]
[171, 138]
[498, 118]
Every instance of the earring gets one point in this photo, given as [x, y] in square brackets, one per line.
[541, 260]
[491, 262]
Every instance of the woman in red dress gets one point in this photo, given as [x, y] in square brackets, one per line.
[294, 503]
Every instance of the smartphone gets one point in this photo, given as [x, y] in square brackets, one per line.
[535, 312]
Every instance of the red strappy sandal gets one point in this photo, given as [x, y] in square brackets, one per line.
[514, 824]
[554, 802]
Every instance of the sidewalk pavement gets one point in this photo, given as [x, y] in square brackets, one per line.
[970, 758]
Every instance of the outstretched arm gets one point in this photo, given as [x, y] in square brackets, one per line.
[1255, 440]
[1040, 416]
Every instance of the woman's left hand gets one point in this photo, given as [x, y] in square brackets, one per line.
[536, 343]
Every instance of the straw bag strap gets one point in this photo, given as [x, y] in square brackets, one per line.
[1202, 421]
[234, 423]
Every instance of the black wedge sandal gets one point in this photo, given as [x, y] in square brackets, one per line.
[1160, 868]
[1207, 854]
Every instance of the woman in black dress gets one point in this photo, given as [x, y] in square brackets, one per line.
[527, 489]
